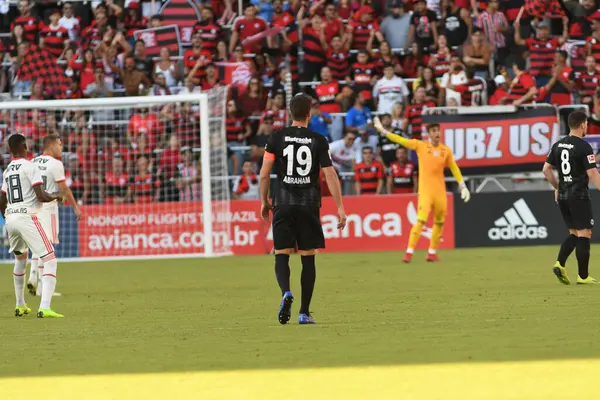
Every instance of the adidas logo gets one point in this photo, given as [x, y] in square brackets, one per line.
[518, 223]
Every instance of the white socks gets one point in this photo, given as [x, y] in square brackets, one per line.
[431, 251]
[19, 280]
[48, 280]
[410, 251]
[33, 272]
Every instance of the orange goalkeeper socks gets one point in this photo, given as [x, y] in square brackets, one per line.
[436, 237]
[415, 235]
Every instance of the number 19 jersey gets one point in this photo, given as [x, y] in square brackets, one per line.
[299, 154]
[572, 157]
[19, 178]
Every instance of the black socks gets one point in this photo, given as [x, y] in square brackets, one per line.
[583, 256]
[309, 275]
[282, 272]
[566, 248]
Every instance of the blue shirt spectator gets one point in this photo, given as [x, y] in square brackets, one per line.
[265, 9]
[358, 115]
[319, 122]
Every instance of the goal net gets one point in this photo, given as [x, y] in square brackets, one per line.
[149, 173]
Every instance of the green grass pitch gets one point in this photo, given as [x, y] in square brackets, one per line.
[477, 305]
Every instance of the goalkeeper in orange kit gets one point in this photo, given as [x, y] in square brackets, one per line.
[434, 157]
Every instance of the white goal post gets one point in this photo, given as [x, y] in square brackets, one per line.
[149, 173]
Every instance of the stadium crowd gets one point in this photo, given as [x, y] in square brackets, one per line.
[356, 57]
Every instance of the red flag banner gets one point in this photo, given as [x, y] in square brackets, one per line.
[544, 8]
[237, 74]
[38, 64]
[157, 38]
[499, 143]
[182, 13]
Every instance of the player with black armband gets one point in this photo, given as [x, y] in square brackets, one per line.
[299, 155]
[575, 162]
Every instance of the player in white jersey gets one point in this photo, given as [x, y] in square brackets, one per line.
[53, 175]
[20, 203]
[390, 90]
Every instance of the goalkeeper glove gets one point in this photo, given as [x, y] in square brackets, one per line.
[465, 195]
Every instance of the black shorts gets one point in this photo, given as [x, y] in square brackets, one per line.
[577, 213]
[297, 225]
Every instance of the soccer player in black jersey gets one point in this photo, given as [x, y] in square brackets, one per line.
[299, 155]
[575, 162]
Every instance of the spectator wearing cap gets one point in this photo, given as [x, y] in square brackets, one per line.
[457, 23]
[244, 28]
[477, 53]
[69, 21]
[135, 81]
[562, 83]
[494, 25]
[455, 76]
[395, 27]
[388, 90]
[134, 21]
[54, 36]
[360, 28]
[362, 76]
[369, 173]
[500, 92]
[319, 121]
[210, 30]
[196, 59]
[541, 50]
[30, 24]
[522, 89]
[338, 59]
[423, 29]
[332, 22]
[358, 115]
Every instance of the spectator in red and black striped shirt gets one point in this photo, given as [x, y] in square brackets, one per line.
[338, 59]
[210, 30]
[368, 174]
[237, 127]
[522, 89]
[440, 60]
[413, 113]
[593, 42]
[563, 81]
[313, 45]
[30, 23]
[134, 21]
[143, 186]
[55, 36]
[196, 59]
[359, 30]
[588, 82]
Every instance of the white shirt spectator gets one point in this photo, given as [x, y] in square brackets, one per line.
[454, 79]
[371, 141]
[70, 24]
[389, 92]
[342, 155]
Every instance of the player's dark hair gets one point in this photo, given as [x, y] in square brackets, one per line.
[300, 107]
[16, 142]
[576, 119]
[431, 127]
[49, 141]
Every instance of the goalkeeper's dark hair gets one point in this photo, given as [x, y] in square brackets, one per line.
[300, 107]
[576, 119]
[49, 141]
[16, 143]
[431, 127]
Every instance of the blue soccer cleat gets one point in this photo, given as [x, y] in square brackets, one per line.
[285, 310]
[305, 319]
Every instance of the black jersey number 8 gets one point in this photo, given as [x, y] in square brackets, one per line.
[565, 165]
[303, 158]
[14, 193]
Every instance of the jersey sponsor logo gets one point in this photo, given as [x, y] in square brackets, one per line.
[298, 139]
[518, 223]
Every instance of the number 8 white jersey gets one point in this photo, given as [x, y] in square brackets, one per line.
[53, 172]
[19, 178]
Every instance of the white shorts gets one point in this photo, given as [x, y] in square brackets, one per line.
[49, 220]
[25, 232]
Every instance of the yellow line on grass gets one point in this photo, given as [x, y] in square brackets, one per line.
[547, 380]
